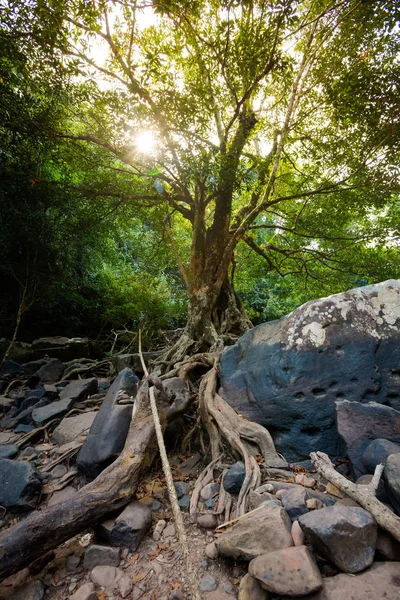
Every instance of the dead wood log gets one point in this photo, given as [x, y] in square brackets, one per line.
[363, 494]
[111, 490]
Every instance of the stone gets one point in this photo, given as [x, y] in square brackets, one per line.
[32, 398]
[79, 389]
[158, 529]
[72, 563]
[380, 492]
[125, 586]
[359, 424]
[6, 403]
[85, 592]
[181, 488]
[51, 411]
[211, 551]
[131, 525]
[392, 480]
[387, 548]
[110, 427]
[344, 535]
[62, 495]
[20, 486]
[51, 371]
[209, 491]
[169, 531]
[132, 361]
[105, 576]
[287, 374]
[9, 369]
[32, 591]
[297, 534]
[234, 477]
[207, 521]
[96, 555]
[257, 533]
[294, 501]
[207, 583]
[291, 571]
[250, 589]
[377, 452]
[21, 428]
[254, 499]
[191, 466]
[8, 450]
[379, 582]
[72, 428]
[30, 368]
[184, 502]
[61, 347]
[314, 504]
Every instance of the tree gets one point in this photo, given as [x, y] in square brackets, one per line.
[268, 115]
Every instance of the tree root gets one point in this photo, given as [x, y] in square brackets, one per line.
[363, 494]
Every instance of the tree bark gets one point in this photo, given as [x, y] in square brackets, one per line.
[111, 490]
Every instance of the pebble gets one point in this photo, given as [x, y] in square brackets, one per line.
[297, 534]
[96, 555]
[72, 563]
[169, 531]
[181, 488]
[209, 490]
[85, 592]
[314, 504]
[159, 528]
[211, 551]
[207, 521]
[207, 583]
[184, 502]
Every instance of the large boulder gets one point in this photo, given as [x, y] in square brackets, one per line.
[345, 535]
[20, 485]
[379, 582]
[287, 374]
[61, 347]
[109, 429]
[392, 480]
[358, 424]
[80, 389]
[264, 531]
[73, 428]
[377, 452]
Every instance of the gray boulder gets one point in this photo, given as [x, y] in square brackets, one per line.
[392, 480]
[109, 429]
[51, 371]
[20, 485]
[287, 374]
[52, 410]
[8, 450]
[343, 534]
[96, 555]
[73, 428]
[64, 348]
[131, 526]
[30, 368]
[358, 424]
[377, 452]
[80, 389]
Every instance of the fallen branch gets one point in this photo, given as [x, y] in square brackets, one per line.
[180, 527]
[363, 494]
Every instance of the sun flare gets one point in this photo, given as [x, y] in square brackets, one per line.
[145, 142]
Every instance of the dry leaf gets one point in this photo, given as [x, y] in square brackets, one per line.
[101, 596]
[155, 553]
[175, 585]
[134, 558]
[139, 577]
[235, 580]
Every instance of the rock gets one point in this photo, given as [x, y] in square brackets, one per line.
[359, 424]
[158, 529]
[30, 368]
[96, 555]
[50, 411]
[131, 526]
[297, 534]
[72, 428]
[105, 576]
[207, 583]
[332, 489]
[314, 504]
[208, 521]
[264, 531]
[309, 482]
[347, 502]
[211, 551]
[20, 486]
[234, 477]
[250, 589]
[380, 492]
[191, 466]
[6, 403]
[392, 480]
[8, 450]
[125, 586]
[85, 592]
[169, 531]
[181, 488]
[377, 452]
[62, 495]
[344, 535]
[294, 501]
[60, 347]
[209, 491]
[9, 369]
[291, 571]
[255, 499]
[72, 563]
[287, 374]
[387, 548]
[32, 591]
[80, 389]
[132, 361]
[379, 582]
[52, 370]
[21, 428]
[109, 429]
[184, 502]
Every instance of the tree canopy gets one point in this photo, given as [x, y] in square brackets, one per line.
[254, 140]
